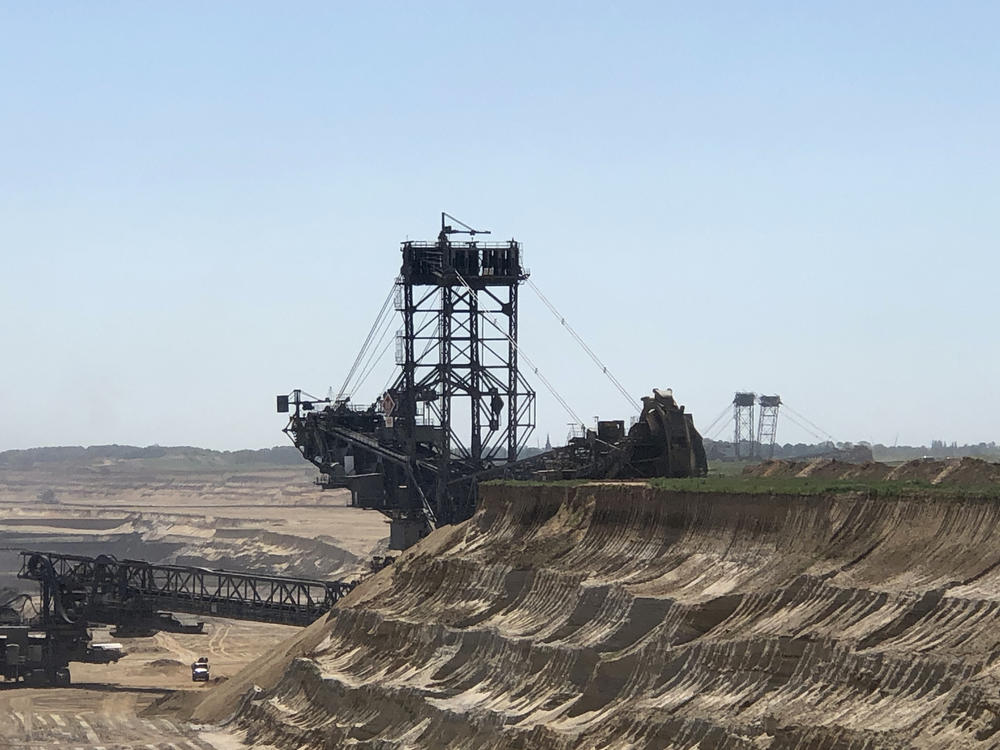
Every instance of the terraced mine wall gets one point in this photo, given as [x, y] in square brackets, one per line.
[626, 616]
[261, 519]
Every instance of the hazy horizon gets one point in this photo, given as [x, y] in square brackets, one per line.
[201, 208]
[533, 444]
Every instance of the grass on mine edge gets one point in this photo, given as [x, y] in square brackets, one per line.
[784, 486]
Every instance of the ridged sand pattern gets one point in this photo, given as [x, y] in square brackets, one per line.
[623, 616]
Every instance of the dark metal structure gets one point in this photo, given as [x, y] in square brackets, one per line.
[743, 424]
[132, 593]
[767, 424]
[460, 410]
[40, 656]
[78, 592]
[459, 405]
[663, 442]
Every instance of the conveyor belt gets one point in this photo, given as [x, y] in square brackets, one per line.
[103, 589]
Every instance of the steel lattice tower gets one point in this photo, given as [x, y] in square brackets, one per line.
[743, 425]
[458, 406]
[458, 355]
[767, 426]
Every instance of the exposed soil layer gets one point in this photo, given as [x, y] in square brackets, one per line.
[964, 472]
[622, 616]
[270, 520]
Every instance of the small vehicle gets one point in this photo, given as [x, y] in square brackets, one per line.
[199, 670]
[104, 653]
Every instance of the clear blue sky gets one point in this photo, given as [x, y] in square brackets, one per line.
[201, 204]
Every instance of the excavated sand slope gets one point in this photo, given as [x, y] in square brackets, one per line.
[622, 616]
[964, 472]
[264, 519]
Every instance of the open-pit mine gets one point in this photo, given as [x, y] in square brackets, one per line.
[182, 508]
[608, 593]
[802, 606]
[625, 615]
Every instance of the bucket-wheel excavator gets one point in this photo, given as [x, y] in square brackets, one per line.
[460, 410]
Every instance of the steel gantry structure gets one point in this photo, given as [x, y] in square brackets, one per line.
[459, 405]
[767, 424]
[78, 592]
[746, 442]
[743, 437]
[459, 409]
[129, 593]
[459, 289]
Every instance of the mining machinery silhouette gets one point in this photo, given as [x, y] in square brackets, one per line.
[459, 410]
[138, 598]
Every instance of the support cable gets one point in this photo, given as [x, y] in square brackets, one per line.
[374, 357]
[386, 327]
[725, 412]
[809, 422]
[801, 426]
[590, 352]
[713, 434]
[368, 339]
[393, 373]
[718, 431]
[520, 352]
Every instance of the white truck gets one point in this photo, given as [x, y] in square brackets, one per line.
[199, 670]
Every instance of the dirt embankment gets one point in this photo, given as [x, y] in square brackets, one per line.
[614, 616]
[964, 472]
[272, 520]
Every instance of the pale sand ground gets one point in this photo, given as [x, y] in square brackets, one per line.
[607, 616]
[269, 519]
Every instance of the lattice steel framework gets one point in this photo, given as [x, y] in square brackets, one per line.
[460, 400]
[103, 589]
[743, 424]
[767, 424]
[458, 406]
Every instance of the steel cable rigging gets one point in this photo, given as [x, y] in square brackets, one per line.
[374, 358]
[717, 425]
[810, 423]
[583, 344]
[431, 343]
[545, 381]
[375, 346]
[715, 421]
[788, 415]
[376, 326]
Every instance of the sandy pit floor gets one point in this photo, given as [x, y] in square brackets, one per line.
[263, 519]
[271, 519]
[623, 616]
[105, 705]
